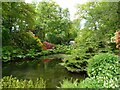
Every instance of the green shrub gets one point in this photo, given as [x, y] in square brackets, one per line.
[103, 73]
[103, 64]
[99, 82]
[6, 37]
[10, 52]
[92, 82]
[13, 82]
[63, 49]
[77, 61]
[13, 53]
[69, 83]
[26, 41]
[6, 52]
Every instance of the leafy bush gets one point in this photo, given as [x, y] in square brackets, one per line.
[10, 52]
[103, 64]
[86, 47]
[26, 41]
[13, 82]
[64, 49]
[77, 61]
[6, 37]
[13, 53]
[99, 82]
[69, 83]
[103, 73]
[92, 82]
[6, 53]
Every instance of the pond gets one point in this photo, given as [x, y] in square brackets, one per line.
[49, 69]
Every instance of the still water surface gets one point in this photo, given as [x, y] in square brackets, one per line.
[50, 70]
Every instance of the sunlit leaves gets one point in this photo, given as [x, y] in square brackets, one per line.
[17, 13]
[54, 20]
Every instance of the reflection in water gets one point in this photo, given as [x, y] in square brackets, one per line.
[46, 60]
[49, 70]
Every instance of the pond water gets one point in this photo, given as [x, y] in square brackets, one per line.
[49, 69]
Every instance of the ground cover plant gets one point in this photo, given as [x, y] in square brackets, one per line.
[13, 82]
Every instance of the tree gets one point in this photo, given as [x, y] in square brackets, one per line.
[52, 20]
[101, 19]
[16, 16]
[101, 24]
[100, 16]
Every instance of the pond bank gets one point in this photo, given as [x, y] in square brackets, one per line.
[51, 71]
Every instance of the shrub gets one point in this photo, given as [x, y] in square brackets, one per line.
[103, 64]
[103, 73]
[63, 49]
[99, 82]
[13, 82]
[77, 61]
[92, 82]
[10, 52]
[69, 83]
[26, 41]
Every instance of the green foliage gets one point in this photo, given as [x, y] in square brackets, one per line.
[13, 53]
[103, 73]
[82, 51]
[17, 14]
[74, 64]
[100, 22]
[26, 41]
[25, 46]
[69, 83]
[6, 53]
[13, 82]
[64, 49]
[77, 61]
[99, 82]
[6, 37]
[53, 23]
[92, 82]
[103, 70]
[96, 35]
[59, 49]
[103, 64]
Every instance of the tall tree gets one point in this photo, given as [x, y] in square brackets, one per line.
[16, 16]
[53, 20]
[101, 19]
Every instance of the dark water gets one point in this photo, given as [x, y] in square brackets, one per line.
[50, 70]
